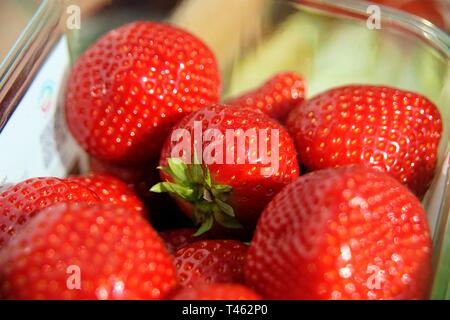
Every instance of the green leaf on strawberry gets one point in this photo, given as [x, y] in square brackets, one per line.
[193, 183]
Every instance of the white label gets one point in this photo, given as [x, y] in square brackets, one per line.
[35, 141]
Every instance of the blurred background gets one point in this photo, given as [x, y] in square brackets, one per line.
[14, 14]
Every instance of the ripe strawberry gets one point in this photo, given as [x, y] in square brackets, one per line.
[111, 190]
[276, 97]
[129, 88]
[386, 128]
[217, 291]
[20, 202]
[104, 250]
[342, 233]
[178, 238]
[210, 261]
[237, 178]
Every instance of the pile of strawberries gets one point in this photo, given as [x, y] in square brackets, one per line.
[350, 227]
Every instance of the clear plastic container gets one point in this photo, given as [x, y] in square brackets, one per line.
[329, 42]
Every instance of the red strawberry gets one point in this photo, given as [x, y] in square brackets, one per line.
[20, 202]
[386, 128]
[178, 238]
[276, 97]
[82, 251]
[111, 190]
[342, 233]
[210, 261]
[237, 179]
[217, 291]
[129, 88]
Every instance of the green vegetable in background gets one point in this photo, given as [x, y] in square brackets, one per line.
[290, 47]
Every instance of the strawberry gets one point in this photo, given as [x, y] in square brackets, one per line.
[132, 85]
[20, 202]
[178, 238]
[276, 97]
[83, 251]
[217, 291]
[210, 261]
[342, 233]
[386, 128]
[111, 190]
[233, 178]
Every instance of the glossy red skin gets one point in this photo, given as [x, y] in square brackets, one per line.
[111, 190]
[331, 233]
[382, 127]
[20, 202]
[132, 85]
[251, 189]
[276, 97]
[118, 253]
[178, 238]
[209, 261]
[217, 291]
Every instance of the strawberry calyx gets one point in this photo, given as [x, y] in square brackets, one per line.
[193, 183]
